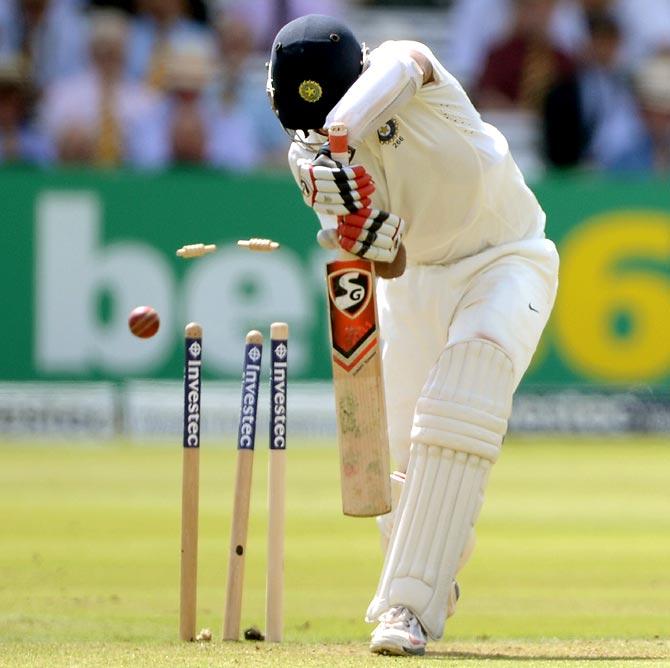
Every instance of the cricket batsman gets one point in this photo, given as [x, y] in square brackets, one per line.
[434, 198]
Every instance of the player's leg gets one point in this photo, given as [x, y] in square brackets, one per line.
[385, 522]
[459, 423]
[385, 525]
[414, 316]
[509, 302]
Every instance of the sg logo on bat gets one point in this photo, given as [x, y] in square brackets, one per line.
[353, 321]
[350, 291]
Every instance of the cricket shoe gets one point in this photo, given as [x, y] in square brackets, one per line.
[398, 633]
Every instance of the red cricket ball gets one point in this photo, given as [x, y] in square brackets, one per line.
[144, 322]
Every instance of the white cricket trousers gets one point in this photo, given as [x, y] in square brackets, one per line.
[504, 294]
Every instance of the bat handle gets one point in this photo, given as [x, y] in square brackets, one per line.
[338, 138]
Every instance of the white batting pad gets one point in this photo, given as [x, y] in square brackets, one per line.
[385, 522]
[459, 424]
[385, 526]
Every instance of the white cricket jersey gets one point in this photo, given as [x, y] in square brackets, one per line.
[448, 174]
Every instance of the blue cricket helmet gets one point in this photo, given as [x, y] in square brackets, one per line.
[314, 61]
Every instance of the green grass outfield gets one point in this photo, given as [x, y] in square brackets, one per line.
[572, 566]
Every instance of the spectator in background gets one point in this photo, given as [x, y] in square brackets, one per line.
[8, 24]
[20, 141]
[50, 36]
[265, 17]
[198, 126]
[97, 117]
[184, 119]
[159, 25]
[645, 25]
[241, 90]
[593, 118]
[471, 38]
[646, 28]
[653, 87]
[520, 70]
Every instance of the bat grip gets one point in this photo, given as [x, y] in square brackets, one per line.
[338, 138]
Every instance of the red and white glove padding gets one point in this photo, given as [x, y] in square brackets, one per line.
[332, 189]
[372, 234]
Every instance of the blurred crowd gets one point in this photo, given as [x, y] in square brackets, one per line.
[154, 83]
[594, 74]
[143, 83]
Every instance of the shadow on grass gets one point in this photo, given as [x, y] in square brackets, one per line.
[511, 656]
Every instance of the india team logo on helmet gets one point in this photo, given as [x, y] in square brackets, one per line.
[310, 91]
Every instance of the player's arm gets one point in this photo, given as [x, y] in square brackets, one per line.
[395, 73]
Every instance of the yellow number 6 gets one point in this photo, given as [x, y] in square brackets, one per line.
[596, 287]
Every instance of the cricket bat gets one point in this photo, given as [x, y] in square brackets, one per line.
[362, 432]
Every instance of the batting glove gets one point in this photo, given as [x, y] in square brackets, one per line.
[334, 190]
[372, 234]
